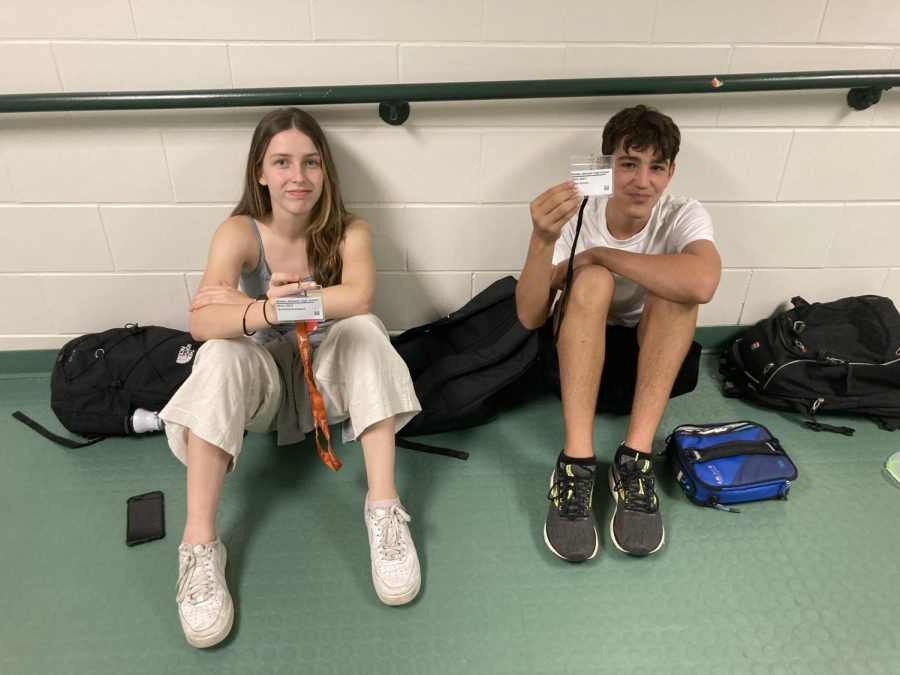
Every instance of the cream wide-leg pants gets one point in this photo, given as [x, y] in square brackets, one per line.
[235, 384]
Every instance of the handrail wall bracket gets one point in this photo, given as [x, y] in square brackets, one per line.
[860, 98]
[396, 113]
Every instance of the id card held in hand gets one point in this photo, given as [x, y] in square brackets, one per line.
[304, 306]
[593, 175]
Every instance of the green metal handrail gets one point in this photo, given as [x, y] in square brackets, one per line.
[865, 89]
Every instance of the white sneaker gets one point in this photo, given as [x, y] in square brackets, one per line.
[204, 603]
[395, 565]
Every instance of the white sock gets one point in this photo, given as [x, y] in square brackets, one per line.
[385, 504]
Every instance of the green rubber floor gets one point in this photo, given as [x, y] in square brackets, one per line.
[808, 585]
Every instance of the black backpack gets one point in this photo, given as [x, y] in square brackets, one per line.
[100, 379]
[841, 357]
[466, 366]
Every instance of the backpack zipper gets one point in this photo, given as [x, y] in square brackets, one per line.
[732, 489]
[831, 360]
[714, 429]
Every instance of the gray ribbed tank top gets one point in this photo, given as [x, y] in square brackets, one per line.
[256, 283]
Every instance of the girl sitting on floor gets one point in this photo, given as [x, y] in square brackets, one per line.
[289, 232]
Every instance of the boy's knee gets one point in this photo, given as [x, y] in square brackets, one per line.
[592, 286]
[673, 318]
[660, 305]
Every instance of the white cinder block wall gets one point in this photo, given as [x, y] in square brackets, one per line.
[105, 217]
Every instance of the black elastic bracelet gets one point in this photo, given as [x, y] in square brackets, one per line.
[266, 317]
[244, 320]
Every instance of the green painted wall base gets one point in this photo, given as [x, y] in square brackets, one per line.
[27, 361]
[16, 363]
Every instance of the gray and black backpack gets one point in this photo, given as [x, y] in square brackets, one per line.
[834, 357]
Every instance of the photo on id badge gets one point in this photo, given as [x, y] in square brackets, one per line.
[304, 305]
[593, 175]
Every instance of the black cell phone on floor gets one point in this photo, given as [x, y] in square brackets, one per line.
[146, 518]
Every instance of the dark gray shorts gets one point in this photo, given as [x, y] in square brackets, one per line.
[619, 377]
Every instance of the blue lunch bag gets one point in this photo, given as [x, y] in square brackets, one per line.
[728, 463]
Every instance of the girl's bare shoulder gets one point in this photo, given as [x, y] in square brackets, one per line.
[235, 227]
[234, 240]
[357, 227]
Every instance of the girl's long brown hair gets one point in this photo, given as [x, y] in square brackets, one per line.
[328, 219]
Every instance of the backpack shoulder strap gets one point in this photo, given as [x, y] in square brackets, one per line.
[813, 423]
[50, 436]
[431, 449]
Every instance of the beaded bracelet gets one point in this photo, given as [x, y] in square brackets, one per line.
[244, 320]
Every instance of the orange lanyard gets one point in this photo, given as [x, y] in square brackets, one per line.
[320, 421]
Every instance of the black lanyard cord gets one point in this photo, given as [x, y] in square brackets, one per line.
[570, 270]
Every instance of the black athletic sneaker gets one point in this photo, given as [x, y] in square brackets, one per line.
[571, 531]
[636, 526]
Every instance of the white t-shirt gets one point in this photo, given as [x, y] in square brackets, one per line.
[674, 223]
